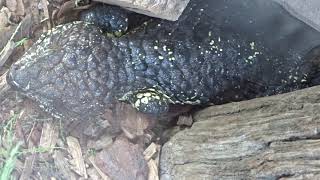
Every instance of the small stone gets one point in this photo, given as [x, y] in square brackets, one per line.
[123, 161]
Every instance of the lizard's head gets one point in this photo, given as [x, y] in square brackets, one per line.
[65, 71]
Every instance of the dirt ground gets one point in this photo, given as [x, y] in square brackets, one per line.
[34, 145]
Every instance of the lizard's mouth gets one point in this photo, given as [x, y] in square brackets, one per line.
[18, 79]
[24, 74]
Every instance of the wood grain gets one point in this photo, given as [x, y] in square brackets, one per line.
[275, 137]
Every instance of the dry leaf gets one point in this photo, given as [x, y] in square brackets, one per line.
[49, 136]
[153, 170]
[74, 149]
[150, 151]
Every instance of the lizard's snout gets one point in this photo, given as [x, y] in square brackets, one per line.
[18, 79]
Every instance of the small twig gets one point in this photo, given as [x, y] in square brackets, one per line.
[46, 13]
[31, 131]
[8, 49]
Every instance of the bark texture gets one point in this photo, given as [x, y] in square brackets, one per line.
[165, 9]
[305, 10]
[275, 137]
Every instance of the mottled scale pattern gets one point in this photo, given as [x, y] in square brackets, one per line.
[75, 71]
[113, 20]
[108, 18]
[69, 75]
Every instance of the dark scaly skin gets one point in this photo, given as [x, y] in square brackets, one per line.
[76, 72]
[108, 18]
[112, 19]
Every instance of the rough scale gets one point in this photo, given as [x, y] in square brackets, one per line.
[75, 71]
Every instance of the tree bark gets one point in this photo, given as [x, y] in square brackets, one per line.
[275, 137]
[306, 11]
[170, 10]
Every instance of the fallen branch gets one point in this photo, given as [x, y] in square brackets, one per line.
[170, 10]
[10, 46]
[265, 138]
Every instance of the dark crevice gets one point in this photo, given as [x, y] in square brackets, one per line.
[296, 138]
[285, 175]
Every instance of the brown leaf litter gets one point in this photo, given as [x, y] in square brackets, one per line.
[125, 144]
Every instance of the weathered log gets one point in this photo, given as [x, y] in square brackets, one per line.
[274, 137]
[306, 11]
[170, 10]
